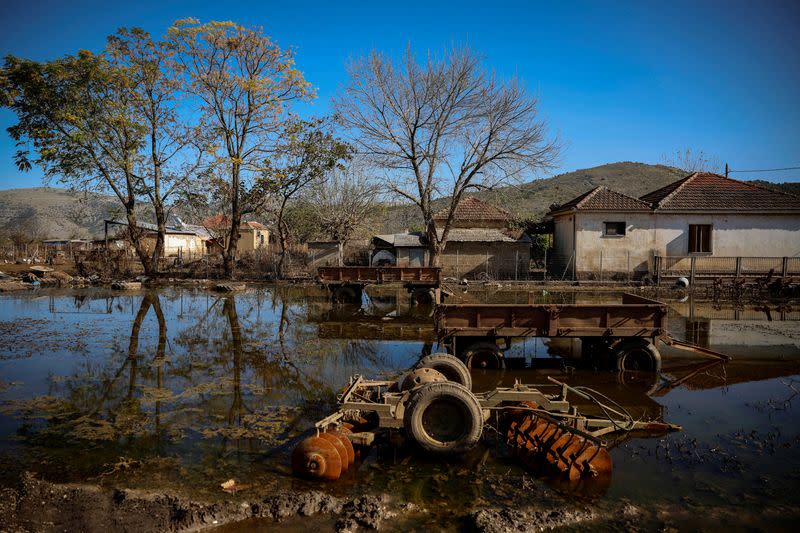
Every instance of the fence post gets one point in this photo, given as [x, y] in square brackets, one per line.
[785, 267]
[516, 265]
[691, 273]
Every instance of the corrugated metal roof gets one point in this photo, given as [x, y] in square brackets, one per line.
[403, 240]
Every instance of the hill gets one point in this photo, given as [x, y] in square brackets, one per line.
[532, 200]
[59, 213]
[51, 213]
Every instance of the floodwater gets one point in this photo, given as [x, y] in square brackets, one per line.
[183, 388]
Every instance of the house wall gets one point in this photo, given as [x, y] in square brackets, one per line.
[175, 244]
[252, 239]
[649, 235]
[629, 253]
[469, 259]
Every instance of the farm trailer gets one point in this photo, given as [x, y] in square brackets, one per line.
[613, 334]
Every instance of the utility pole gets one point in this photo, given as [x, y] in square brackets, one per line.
[726, 170]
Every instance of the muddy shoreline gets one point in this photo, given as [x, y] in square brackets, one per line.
[38, 506]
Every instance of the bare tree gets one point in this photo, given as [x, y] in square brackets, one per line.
[306, 156]
[442, 127]
[691, 161]
[244, 82]
[345, 204]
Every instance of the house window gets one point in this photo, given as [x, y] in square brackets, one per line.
[699, 238]
[614, 229]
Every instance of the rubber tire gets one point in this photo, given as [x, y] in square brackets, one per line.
[631, 354]
[344, 295]
[451, 395]
[451, 366]
[423, 297]
[473, 351]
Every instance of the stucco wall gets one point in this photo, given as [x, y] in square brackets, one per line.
[731, 235]
[628, 253]
[186, 244]
[250, 239]
[649, 235]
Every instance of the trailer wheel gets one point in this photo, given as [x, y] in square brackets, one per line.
[640, 355]
[423, 297]
[484, 355]
[344, 295]
[444, 418]
[451, 366]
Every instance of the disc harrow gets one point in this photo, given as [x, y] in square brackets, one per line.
[542, 430]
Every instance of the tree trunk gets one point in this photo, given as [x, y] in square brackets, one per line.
[229, 256]
[135, 235]
[282, 237]
[161, 236]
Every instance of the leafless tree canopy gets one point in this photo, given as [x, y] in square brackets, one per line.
[690, 161]
[442, 127]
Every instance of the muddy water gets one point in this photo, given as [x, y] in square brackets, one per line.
[184, 388]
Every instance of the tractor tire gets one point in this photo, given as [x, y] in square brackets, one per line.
[444, 418]
[638, 355]
[485, 355]
[451, 366]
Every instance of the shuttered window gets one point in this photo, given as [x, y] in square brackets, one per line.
[699, 238]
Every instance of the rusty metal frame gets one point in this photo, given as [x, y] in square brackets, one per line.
[412, 276]
[634, 317]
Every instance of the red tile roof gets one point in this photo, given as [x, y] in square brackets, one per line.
[252, 224]
[603, 199]
[470, 208]
[703, 191]
[220, 221]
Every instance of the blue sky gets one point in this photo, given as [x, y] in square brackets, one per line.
[617, 81]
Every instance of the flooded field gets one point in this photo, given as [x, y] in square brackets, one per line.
[182, 389]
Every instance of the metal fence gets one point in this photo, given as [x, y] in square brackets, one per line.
[699, 266]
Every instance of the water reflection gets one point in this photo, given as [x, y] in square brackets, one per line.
[196, 388]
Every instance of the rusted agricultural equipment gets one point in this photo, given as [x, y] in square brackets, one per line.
[347, 283]
[436, 409]
[621, 335]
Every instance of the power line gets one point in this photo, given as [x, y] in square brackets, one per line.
[767, 169]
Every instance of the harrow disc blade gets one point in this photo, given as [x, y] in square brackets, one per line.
[316, 458]
[340, 449]
[348, 446]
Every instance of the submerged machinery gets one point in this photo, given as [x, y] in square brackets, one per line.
[434, 406]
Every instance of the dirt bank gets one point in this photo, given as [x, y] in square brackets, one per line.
[42, 506]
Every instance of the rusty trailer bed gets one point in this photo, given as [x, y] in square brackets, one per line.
[635, 316]
[422, 276]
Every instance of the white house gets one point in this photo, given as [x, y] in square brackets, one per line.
[608, 233]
